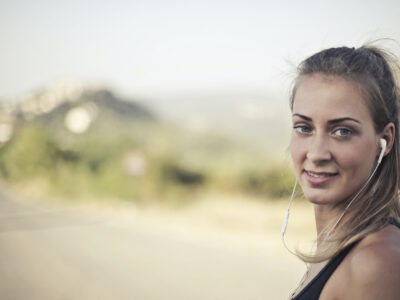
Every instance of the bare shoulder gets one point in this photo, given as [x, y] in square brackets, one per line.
[374, 266]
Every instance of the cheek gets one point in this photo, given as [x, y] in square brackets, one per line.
[356, 161]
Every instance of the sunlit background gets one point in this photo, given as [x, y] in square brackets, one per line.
[143, 143]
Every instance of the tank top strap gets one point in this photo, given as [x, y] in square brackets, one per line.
[314, 288]
[394, 222]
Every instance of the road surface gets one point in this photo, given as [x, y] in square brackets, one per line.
[59, 254]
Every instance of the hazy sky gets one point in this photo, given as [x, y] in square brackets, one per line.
[158, 48]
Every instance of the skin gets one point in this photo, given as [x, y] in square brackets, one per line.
[334, 148]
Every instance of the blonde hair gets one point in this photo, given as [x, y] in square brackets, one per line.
[373, 70]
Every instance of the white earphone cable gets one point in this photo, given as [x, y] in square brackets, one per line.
[286, 219]
[352, 200]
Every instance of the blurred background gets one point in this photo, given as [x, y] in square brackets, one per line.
[143, 144]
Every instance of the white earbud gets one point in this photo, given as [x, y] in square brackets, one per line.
[383, 148]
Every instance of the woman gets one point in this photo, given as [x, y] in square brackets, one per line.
[345, 151]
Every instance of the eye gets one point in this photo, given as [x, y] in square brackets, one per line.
[302, 129]
[342, 132]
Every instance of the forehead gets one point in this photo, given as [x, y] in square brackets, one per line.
[330, 97]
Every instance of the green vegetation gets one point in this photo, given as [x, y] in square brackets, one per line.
[147, 162]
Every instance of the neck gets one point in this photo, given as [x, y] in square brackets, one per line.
[325, 218]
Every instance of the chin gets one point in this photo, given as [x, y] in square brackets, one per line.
[319, 201]
[323, 198]
[319, 198]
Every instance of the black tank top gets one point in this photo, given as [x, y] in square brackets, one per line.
[314, 288]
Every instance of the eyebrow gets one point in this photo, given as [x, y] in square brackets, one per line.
[333, 121]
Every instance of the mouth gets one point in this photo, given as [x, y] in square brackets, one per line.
[319, 178]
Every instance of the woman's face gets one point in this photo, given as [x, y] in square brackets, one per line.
[333, 144]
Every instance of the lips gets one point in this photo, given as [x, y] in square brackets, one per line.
[319, 174]
[319, 178]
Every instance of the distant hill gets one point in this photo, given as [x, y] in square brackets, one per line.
[74, 111]
[98, 110]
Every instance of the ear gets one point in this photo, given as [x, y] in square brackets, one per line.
[389, 133]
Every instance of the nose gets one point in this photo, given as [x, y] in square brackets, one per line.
[319, 150]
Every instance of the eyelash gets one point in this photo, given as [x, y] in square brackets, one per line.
[349, 132]
[299, 128]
